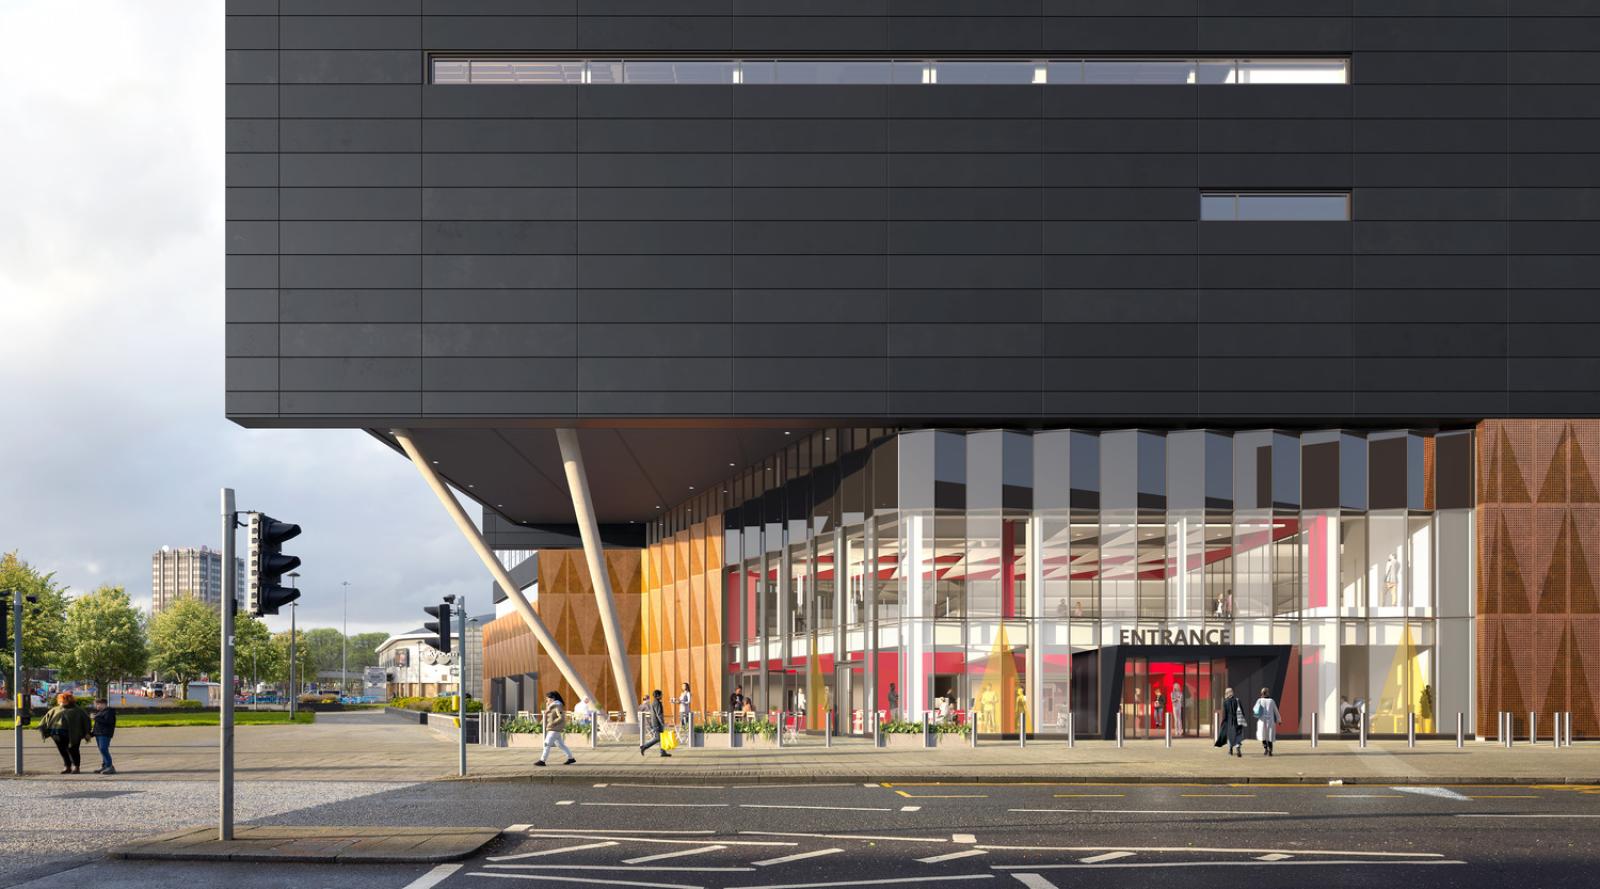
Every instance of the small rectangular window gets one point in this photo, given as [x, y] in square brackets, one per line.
[452, 71]
[1294, 71]
[1136, 71]
[1069, 71]
[526, 71]
[1279, 207]
[1215, 71]
[1006, 72]
[605, 71]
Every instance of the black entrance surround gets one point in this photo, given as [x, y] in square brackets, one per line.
[1250, 668]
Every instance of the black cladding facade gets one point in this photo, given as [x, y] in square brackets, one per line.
[401, 252]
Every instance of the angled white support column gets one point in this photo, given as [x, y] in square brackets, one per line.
[589, 528]
[481, 547]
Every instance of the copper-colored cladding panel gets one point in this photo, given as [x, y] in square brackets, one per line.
[1538, 570]
[683, 614]
[567, 606]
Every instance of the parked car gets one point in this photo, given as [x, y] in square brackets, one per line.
[156, 689]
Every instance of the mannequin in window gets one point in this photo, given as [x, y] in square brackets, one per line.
[1391, 571]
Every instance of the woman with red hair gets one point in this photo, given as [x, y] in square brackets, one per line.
[67, 725]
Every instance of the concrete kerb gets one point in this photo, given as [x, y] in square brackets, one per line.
[313, 845]
[695, 780]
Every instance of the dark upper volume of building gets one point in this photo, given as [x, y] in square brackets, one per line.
[455, 254]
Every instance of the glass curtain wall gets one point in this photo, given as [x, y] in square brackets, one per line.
[1006, 579]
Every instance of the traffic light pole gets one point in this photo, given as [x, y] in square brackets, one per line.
[225, 781]
[461, 686]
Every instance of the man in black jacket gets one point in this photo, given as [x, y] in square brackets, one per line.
[103, 726]
[1230, 730]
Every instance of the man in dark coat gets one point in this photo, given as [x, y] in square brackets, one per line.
[102, 725]
[654, 722]
[1230, 730]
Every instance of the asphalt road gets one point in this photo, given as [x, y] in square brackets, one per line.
[1034, 836]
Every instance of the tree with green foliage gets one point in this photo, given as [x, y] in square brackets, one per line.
[255, 655]
[186, 642]
[326, 646]
[305, 667]
[104, 638]
[42, 621]
[364, 649]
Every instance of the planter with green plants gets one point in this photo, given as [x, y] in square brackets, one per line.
[524, 731]
[901, 733]
[746, 733]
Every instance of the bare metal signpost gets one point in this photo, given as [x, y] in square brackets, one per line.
[19, 695]
[225, 783]
[461, 685]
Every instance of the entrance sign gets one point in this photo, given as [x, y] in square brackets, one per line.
[1177, 636]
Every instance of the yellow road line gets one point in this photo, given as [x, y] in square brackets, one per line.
[1069, 795]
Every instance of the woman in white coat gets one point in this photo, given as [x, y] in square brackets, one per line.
[1267, 719]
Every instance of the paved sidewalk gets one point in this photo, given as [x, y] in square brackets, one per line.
[325, 845]
[357, 747]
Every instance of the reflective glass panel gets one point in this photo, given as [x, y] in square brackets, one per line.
[451, 71]
[1294, 207]
[1218, 207]
[1070, 71]
[1012, 72]
[1215, 71]
[524, 71]
[1294, 71]
[665, 71]
[1137, 71]
[605, 72]
[831, 71]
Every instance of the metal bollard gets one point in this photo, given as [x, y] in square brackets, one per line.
[1072, 732]
[1508, 729]
[1362, 714]
[594, 730]
[1569, 728]
[1555, 730]
[877, 730]
[1411, 729]
[1167, 727]
[1022, 730]
[1119, 728]
[641, 730]
[827, 729]
[780, 728]
[1461, 730]
[1313, 731]
[1216, 724]
[1533, 728]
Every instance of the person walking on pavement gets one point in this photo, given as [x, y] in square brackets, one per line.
[1230, 730]
[1267, 719]
[102, 725]
[67, 725]
[555, 724]
[653, 720]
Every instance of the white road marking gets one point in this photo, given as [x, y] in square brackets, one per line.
[871, 785]
[1156, 864]
[562, 830]
[818, 808]
[1206, 849]
[563, 802]
[771, 786]
[517, 828]
[1441, 792]
[1106, 856]
[616, 867]
[841, 836]
[1363, 796]
[1152, 811]
[1273, 856]
[1034, 881]
[633, 839]
[587, 880]
[963, 838]
[868, 882]
[951, 856]
[663, 805]
[433, 877]
[1487, 815]
[797, 857]
[678, 854]
[522, 855]
[910, 808]
[670, 786]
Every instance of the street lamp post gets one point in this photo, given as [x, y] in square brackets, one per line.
[294, 692]
[344, 640]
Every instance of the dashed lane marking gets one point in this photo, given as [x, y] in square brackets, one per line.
[1218, 795]
[942, 796]
[1153, 811]
[521, 855]
[1106, 856]
[662, 856]
[818, 808]
[518, 828]
[646, 869]
[800, 856]
[1328, 862]
[1441, 792]
[1504, 796]
[1078, 795]
[661, 805]
[951, 856]
[963, 838]
[1034, 881]
[565, 830]
[910, 808]
[627, 837]
[1273, 856]
[1365, 795]
[885, 882]
[433, 877]
[563, 802]
[1490, 815]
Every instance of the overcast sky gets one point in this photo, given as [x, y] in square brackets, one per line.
[112, 435]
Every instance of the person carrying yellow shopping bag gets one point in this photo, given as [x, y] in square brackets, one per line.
[653, 721]
[669, 740]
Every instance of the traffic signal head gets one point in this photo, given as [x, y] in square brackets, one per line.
[439, 626]
[265, 592]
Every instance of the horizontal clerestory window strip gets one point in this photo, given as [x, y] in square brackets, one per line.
[999, 72]
[1275, 207]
